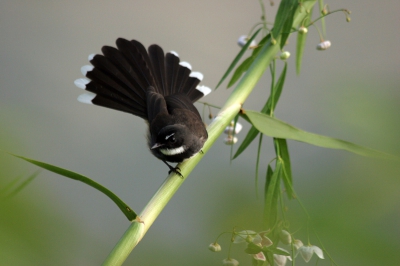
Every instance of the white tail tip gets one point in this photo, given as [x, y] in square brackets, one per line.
[186, 64]
[204, 89]
[174, 53]
[81, 83]
[90, 57]
[86, 69]
[197, 75]
[86, 98]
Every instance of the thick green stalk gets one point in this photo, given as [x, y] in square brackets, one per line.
[136, 230]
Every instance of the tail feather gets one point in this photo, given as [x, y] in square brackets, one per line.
[108, 94]
[183, 75]
[137, 81]
[190, 86]
[121, 105]
[106, 72]
[172, 68]
[158, 63]
[122, 76]
[139, 61]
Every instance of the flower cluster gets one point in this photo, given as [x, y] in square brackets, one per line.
[260, 246]
[231, 131]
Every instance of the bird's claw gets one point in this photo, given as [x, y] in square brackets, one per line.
[176, 170]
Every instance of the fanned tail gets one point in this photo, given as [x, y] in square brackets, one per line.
[119, 79]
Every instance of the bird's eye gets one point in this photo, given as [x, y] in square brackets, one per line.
[172, 140]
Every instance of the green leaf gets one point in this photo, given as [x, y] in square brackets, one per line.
[270, 257]
[251, 135]
[260, 45]
[244, 66]
[284, 19]
[240, 70]
[237, 58]
[321, 6]
[287, 27]
[252, 248]
[7, 187]
[253, 132]
[287, 169]
[272, 193]
[276, 92]
[277, 251]
[22, 185]
[129, 213]
[301, 43]
[258, 162]
[278, 129]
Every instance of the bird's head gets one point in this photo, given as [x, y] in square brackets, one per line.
[171, 140]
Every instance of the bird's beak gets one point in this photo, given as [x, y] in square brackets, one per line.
[155, 146]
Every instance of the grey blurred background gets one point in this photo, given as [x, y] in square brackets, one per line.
[350, 91]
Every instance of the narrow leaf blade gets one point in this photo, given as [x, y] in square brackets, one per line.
[240, 70]
[272, 193]
[278, 129]
[284, 20]
[281, 16]
[22, 185]
[253, 132]
[287, 26]
[129, 213]
[321, 7]
[276, 92]
[301, 43]
[237, 58]
[251, 135]
[287, 169]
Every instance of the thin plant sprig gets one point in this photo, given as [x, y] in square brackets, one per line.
[136, 231]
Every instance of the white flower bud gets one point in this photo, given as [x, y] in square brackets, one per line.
[229, 129]
[297, 243]
[214, 247]
[285, 55]
[230, 262]
[230, 140]
[303, 30]
[243, 40]
[285, 237]
[323, 45]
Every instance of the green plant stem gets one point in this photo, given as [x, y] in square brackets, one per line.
[136, 231]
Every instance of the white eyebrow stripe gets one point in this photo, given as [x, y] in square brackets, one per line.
[167, 137]
[174, 151]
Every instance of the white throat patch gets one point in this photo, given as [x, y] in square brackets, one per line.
[174, 151]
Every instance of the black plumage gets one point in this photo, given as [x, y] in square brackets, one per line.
[153, 86]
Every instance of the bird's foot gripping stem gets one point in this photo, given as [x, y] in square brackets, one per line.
[176, 169]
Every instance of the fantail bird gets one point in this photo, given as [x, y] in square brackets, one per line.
[156, 87]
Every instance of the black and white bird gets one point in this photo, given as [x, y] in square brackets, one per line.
[156, 87]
